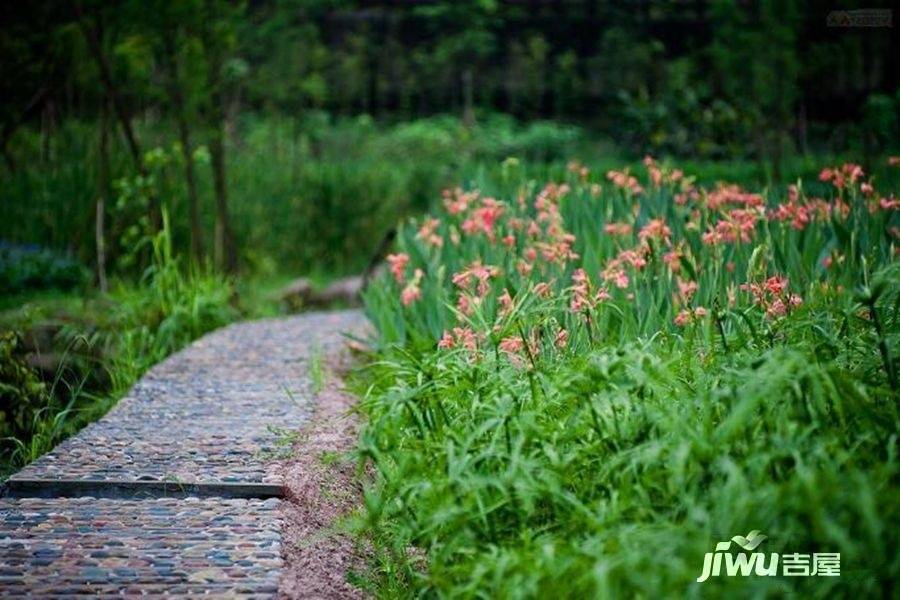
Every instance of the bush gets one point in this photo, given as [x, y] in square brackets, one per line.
[31, 268]
[23, 396]
[169, 308]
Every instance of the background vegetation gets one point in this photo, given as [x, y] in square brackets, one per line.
[244, 118]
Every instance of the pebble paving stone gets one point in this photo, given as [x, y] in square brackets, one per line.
[209, 414]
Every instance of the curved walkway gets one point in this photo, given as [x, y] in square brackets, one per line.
[176, 490]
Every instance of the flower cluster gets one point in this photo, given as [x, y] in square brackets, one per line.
[772, 296]
[666, 245]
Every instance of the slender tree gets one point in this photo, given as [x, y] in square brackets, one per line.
[215, 40]
[93, 35]
[178, 101]
[102, 195]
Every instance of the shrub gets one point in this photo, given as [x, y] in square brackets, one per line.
[31, 268]
[23, 396]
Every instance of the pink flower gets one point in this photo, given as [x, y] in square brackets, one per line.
[686, 315]
[617, 229]
[427, 233]
[673, 260]
[776, 285]
[511, 345]
[478, 273]
[772, 296]
[484, 218]
[840, 176]
[581, 291]
[623, 180]
[687, 289]
[410, 294]
[460, 337]
[447, 342]
[889, 203]
[777, 308]
[398, 264]
[506, 303]
[466, 337]
[456, 201]
[731, 194]
[542, 289]
[524, 268]
[466, 304]
[656, 175]
[412, 291]
[562, 339]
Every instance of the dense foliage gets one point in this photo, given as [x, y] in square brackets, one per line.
[130, 330]
[582, 387]
[23, 396]
[221, 109]
[689, 77]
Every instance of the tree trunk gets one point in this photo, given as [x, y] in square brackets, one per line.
[225, 255]
[102, 194]
[92, 36]
[224, 252]
[468, 97]
[184, 137]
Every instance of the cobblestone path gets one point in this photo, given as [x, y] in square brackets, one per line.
[176, 489]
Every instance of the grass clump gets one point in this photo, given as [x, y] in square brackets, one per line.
[131, 329]
[581, 388]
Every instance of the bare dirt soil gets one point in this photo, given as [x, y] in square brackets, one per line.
[321, 488]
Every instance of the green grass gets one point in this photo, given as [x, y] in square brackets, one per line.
[668, 421]
[317, 372]
[112, 341]
[308, 194]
